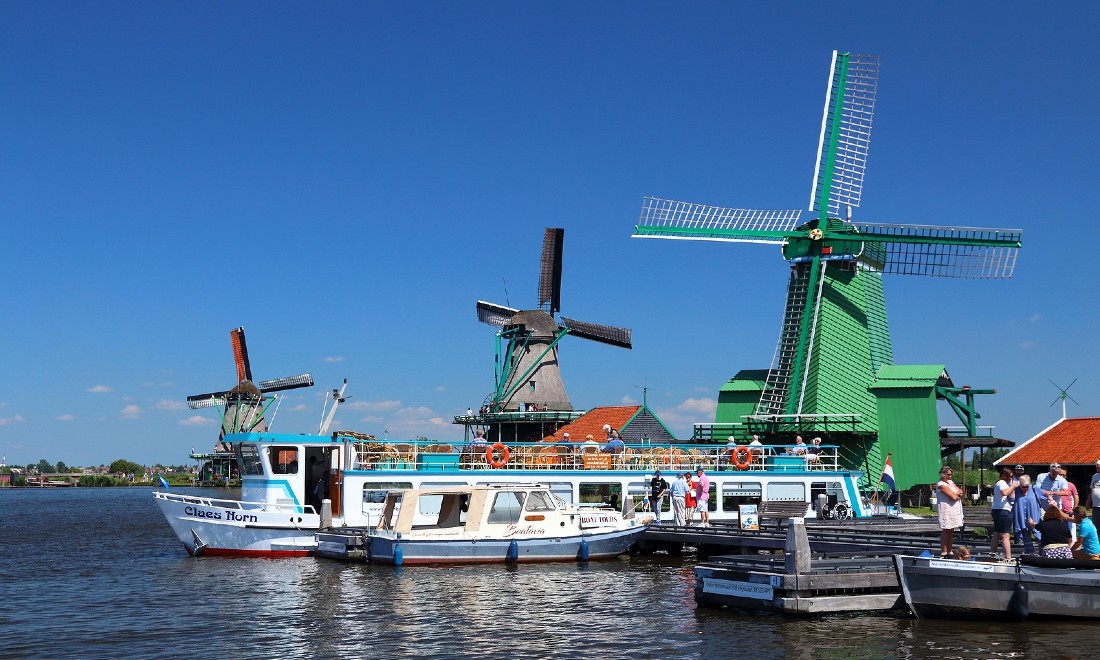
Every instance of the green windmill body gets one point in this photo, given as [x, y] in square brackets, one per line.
[835, 339]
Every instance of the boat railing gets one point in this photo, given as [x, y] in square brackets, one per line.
[198, 500]
[428, 455]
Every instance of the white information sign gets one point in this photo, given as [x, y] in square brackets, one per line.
[742, 589]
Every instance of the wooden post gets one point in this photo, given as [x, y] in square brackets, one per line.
[797, 547]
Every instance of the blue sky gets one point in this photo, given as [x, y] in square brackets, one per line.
[346, 180]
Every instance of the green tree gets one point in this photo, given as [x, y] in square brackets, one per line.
[61, 467]
[45, 466]
[123, 466]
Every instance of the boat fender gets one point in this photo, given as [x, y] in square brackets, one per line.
[582, 554]
[398, 555]
[742, 457]
[492, 450]
[1017, 604]
[513, 552]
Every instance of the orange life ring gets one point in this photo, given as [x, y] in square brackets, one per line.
[495, 447]
[742, 457]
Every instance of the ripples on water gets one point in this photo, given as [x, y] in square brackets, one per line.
[97, 573]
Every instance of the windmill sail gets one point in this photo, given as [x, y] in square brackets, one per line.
[550, 269]
[605, 334]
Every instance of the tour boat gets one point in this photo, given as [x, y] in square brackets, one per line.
[499, 523]
[292, 486]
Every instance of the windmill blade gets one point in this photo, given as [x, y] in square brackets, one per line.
[958, 252]
[240, 354]
[845, 133]
[497, 315]
[550, 269]
[288, 383]
[663, 218]
[605, 334]
[210, 400]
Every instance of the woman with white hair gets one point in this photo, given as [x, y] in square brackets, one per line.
[950, 508]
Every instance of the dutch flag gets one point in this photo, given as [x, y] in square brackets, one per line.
[888, 474]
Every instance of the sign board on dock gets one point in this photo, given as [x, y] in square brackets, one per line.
[748, 516]
[737, 588]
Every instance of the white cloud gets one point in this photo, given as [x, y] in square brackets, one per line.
[131, 412]
[299, 408]
[1027, 344]
[1035, 318]
[419, 412]
[100, 389]
[704, 405]
[18, 419]
[628, 401]
[168, 404]
[389, 404]
[334, 358]
[440, 388]
[65, 418]
[197, 420]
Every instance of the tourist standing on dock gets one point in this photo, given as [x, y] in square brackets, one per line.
[702, 497]
[950, 509]
[658, 488]
[1026, 511]
[1003, 492]
[1094, 494]
[679, 491]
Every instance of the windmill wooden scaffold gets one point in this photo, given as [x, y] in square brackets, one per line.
[834, 335]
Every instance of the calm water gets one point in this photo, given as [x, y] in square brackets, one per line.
[97, 573]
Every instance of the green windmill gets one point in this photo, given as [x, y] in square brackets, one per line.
[835, 338]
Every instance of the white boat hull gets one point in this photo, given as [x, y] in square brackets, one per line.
[212, 527]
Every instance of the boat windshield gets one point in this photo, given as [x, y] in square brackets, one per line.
[506, 507]
[248, 459]
[540, 500]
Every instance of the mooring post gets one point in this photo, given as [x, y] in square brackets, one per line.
[797, 547]
[326, 514]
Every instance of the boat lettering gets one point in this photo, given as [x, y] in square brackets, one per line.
[232, 516]
[598, 520]
[529, 530]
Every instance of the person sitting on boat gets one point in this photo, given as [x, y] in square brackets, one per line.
[566, 440]
[479, 439]
[1087, 545]
[799, 447]
[1026, 512]
[963, 553]
[614, 444]
[589, 443]
[813, 452]
[1055, 535]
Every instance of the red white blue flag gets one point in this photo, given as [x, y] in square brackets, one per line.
[888, 474]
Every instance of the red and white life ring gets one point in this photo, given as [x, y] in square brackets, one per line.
[504, 454]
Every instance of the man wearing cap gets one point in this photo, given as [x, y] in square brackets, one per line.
[1052, 488]
[1094, 495]
[658, 488]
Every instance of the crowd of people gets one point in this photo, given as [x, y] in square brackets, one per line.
[1046, 512]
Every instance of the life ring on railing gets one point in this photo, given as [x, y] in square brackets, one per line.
[742, 457]
[495, 447]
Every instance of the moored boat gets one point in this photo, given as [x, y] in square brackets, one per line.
[1027, 588]
[293, 486]
[497, 523]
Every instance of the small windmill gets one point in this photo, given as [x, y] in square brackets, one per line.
[834, 335]
[527, 370]
[243, 405]
[1063, 394]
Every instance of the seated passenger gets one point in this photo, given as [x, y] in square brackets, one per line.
[799, 447]
[614, 444]
[813, 452]
[1054, 541]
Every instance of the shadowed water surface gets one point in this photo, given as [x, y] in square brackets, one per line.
[97, 573]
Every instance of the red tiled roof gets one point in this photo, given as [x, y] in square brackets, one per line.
[592, 423]
[1069, 442]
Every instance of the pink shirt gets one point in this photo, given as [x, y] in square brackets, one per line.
[1067, 500]
[702, 489]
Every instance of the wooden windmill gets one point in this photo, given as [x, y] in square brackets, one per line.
[527, 372]
[243, 406]
[834, 336]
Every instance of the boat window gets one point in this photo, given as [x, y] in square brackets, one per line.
[602, 493]
[375, 493]
[736, 493]
[539, 500]
[284, 460]
[506, 507]
[638, 490]
[248, 459]
[787, 490]
[563, 491]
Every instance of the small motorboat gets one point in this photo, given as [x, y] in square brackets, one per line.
[1026, 588]
[497, 523]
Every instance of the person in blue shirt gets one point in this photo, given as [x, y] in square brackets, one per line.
[679, 490]
[614, 444]
[1027, 512]
[1087, 545]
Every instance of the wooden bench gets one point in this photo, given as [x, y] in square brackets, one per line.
[781, 510]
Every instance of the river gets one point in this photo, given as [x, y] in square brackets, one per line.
[96, 572]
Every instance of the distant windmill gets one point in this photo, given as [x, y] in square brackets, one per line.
[244, 406]
[834, 335]
[527, 370]
[1063, 394]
